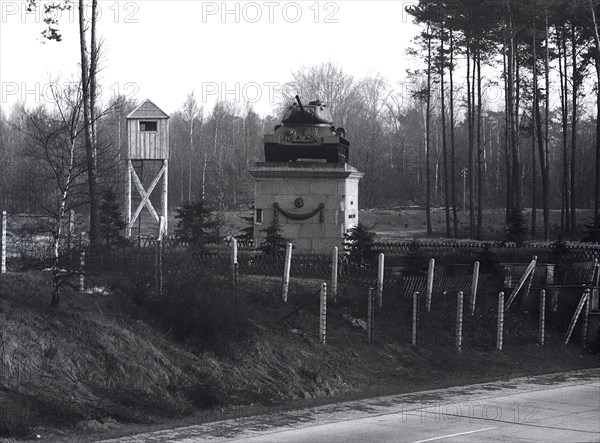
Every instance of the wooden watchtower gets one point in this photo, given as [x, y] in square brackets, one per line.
[147, 144]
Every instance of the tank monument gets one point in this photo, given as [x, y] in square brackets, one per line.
[305, 181]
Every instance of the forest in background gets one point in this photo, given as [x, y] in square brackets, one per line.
[500, 111]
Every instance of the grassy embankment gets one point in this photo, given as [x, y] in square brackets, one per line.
[105, 359]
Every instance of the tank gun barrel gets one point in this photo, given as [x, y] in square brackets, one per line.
[300, 104]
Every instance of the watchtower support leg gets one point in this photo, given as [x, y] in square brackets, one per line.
[128, 199]
[165, 196]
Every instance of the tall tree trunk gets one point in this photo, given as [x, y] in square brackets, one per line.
[203, 178]
[87, 121]
[479, 148]
[498, 161]
[543, 170]
[546, 168]
[62, 208]
[182, 187]
[452, 141]
[93, 77]
[534, 121]
[189, 190]
[575, 80]
[533, 167]
[428, 137]
[540, 138]
[191, 135]
[597, 59]
[597, 188]
[444, 147]
[470, 130]
[562, 50]
[517, 109]
[512, 113]
[508, 169]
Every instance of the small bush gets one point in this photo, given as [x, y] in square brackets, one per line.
[594, 345]
[27, 412]
[205, 394]
[488, 258]
[416, 262]
[516, 227]
[591, 230]
[559, 251]
[199, 311]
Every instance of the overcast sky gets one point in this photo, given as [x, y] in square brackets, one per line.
[164, 49]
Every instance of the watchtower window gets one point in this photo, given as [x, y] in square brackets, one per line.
[148, 126]
[259, 217]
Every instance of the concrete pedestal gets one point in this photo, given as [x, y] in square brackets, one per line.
[316, 203]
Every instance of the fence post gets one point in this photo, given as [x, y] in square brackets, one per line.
[159, 262]
[430, 273]
[334, 274]
[323, 314]
[550, 274]
[526, 295]
[380, 271]
[3, 259]
[582, 301]
[370, 313]
[82, 271]
[234, 260]
[554, 300]
[459, 320]
[128, 200]
[500, 330]
[234, 270]
[596, 275]
[286, 272]
[584, 320]
[414, 318]
[542, 316]
[474, 285]
[70, 233]
[507, 277]
[517, 288]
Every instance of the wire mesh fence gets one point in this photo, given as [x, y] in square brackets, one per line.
[172, 260]
[30, 243]
[460, 251]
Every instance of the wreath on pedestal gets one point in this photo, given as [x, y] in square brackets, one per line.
[305, 216]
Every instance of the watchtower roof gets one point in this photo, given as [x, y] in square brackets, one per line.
[147, 109]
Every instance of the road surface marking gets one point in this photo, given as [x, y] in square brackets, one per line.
[455, 435]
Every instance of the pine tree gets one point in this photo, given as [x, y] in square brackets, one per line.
[359, 243]
[275, 243]
[196, 224]
[111, 222]
[246, 234]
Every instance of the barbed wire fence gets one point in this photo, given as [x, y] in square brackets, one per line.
[27, 243]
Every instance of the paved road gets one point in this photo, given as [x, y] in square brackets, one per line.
[553, 408]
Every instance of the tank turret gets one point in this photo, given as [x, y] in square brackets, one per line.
[307, 132]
